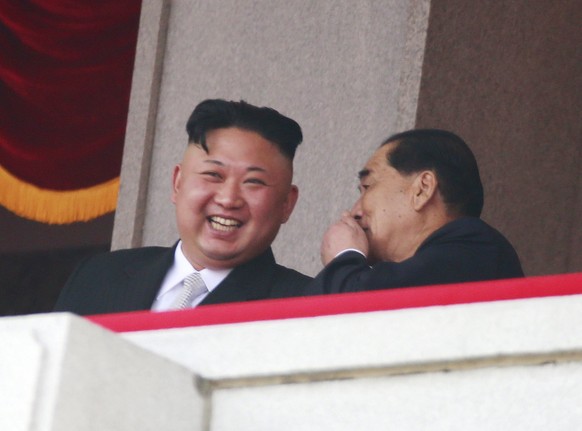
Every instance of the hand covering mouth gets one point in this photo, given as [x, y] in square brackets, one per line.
[224, 224]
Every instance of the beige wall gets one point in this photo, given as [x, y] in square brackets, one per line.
[504, 75]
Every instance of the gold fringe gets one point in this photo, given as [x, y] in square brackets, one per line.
[53, 206]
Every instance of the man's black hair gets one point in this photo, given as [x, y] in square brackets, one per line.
[449, 157]
[213, 114]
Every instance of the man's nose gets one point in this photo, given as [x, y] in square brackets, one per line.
[356, 211]
[229, 195]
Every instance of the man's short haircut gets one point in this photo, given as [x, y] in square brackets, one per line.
[449, 157]
[214, 114]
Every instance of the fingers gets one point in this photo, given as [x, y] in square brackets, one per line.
[348, 219]
[342, 235]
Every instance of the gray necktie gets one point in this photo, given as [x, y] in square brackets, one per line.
[193, 286]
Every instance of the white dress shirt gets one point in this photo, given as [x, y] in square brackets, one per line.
[350, 249]
[173, 281]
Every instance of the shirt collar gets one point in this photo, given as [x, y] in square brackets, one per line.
[181, 268]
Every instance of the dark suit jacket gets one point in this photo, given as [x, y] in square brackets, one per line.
[128, 280]
[467, 249]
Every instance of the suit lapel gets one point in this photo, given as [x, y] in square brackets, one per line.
[250, 281]
[144, 281]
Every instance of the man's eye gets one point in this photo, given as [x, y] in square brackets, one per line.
[211, 175]
[363, 187]
[256, 181]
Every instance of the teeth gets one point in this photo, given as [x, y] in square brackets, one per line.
[223, 224]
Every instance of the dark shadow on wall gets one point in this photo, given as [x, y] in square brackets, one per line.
[507, 77]
[36, 259]
[31, 282]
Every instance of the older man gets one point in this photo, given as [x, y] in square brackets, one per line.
[416, 221]
[232, 192]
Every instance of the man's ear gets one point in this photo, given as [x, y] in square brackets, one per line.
[290, 202]
[176, 181]
[425, 188]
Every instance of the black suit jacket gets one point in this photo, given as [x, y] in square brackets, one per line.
[467, 249]
[128, 280]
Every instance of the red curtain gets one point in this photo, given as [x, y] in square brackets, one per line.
[65, 78]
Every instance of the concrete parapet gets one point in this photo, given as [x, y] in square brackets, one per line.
[480, 356]
[61, 373]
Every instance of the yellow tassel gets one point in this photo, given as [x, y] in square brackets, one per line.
[53, 206]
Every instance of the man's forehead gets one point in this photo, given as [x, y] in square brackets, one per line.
[239, 159]
[376, 163]
[236, 163]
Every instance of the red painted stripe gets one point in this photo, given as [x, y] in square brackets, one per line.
[382, 300]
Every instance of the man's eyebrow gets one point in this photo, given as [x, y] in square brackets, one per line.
[214, 162]
[256, 169]
[249, 169]
[363, 173]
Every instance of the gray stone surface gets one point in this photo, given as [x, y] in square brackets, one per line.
[140, 133]
[62, 373]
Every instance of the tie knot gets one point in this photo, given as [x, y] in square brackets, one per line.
[195, 281]
[193, 286]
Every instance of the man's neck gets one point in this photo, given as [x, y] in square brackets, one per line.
[430, 222]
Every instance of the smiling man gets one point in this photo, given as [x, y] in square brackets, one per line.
[417, 221]
[232, 192]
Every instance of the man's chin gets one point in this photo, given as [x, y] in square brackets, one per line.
[213, 257]
[224, 255]
[227, 258]
[223, 260]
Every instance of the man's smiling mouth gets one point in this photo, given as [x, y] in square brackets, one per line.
[224, 224]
